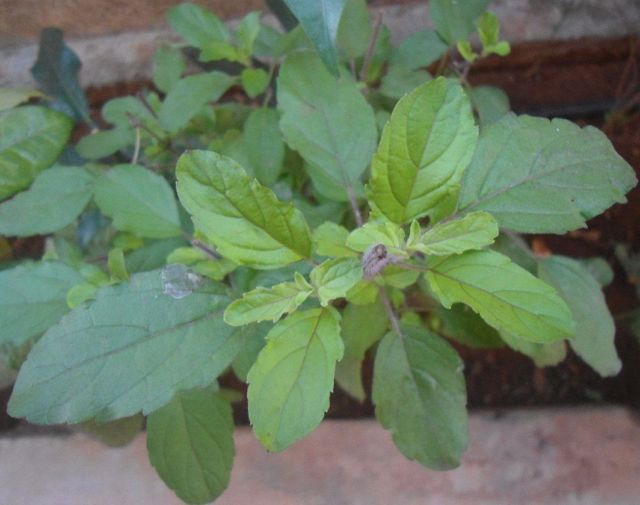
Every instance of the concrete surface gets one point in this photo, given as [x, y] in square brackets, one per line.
[585, 456]
[110, 54]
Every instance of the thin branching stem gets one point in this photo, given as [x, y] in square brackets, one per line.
[364, 71]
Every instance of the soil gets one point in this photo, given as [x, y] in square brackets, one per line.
[591, 82]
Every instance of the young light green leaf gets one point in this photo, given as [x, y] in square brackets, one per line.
[419, 394]
[242, 218]
[595, 329]
[263, 304]
[168, 66]
[377, 232]
[453, 19]
[474, 231]
[539, 176]
[81, 293]
[425, 148]
[330, 239]
[139, 201]
[33, 298]
[55, 199]
[189, 95]
[418, 50]
[116, 265]
[196, 25]
[254, 81]
[56, 70]
[491, 103]
[289, 384]
[263, 145]
[134, 347]
[328, 121]
[31, 139]
[363, 292]
[505, 295]
[542, 355]
[247, 32]
[10, 97]
[335, 277]
[320, 20]
[354, 29]
[190, 444]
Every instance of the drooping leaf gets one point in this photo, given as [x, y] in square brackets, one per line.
[129, 351]
[425, 148]
[465, 326]
[168, 66]
[320, 20]
[115, 433]
[506, 296]
[335, 277]
[595, 329]
[418, 50]
[189, 95]
[490, 102]
[542, 355]
[190, 444]
[198, 26]
[263, 145]
[599, 269]
[56, 70]
[539, 176]
[474, 231]
[242, 218]
[328, 121]
[31, 139]
[263, 304]
[55, 200]
[139, 201]
[10, 97]
[289, 384]
[454, 19]
[33, 298]
[419, 394]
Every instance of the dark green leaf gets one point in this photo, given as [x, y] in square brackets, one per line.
[418, 50]
[263, 145]
[464, 325]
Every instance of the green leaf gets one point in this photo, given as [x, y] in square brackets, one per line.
[488, 29]
[139, 201]
[31, 139]
[263, 304]
[105, 143]
[289, 384]
[328, 121]
[254, 81]
[56, 70]
[196, 25]
[168, 66]
[595, 329]
[115, 433]
[335, 277]
[189, 95]
[399, 80]
[466, 51]
[153, 254]
[242, 218]
[542, 355]
[247, 31]
[418, 50]
[363, 293]
[320, 20]
[539, 176]
[505, 295]
[116, 265]
[425, 148]
[354, 29]
[419, 394]
[465, 326]
[190, 444]
[263, 145]
[599, 269]
[134, 347]
[491, 103]
[10, 97]
[81, 293]
[377, 232]
[55, 200]
[453, 19]
[330, 239]
[474, 231]
[253, 340]
[33, 298]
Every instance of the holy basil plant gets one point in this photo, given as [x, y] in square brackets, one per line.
[366, 206]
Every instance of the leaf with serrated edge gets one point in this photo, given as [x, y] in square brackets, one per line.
[539, 176]
[377, 232]
[424, 150]
[190, 444]
[329, 239]
[243, 219]
[335, 277]
[263, 304]
[419, 394]
[473, 231]
[129, 351]
[139, 201]
[289, 384]
[595, 328]
[505, 295]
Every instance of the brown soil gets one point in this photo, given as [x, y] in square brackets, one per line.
[588, 81]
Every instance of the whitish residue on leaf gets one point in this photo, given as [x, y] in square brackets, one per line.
[178, 282]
